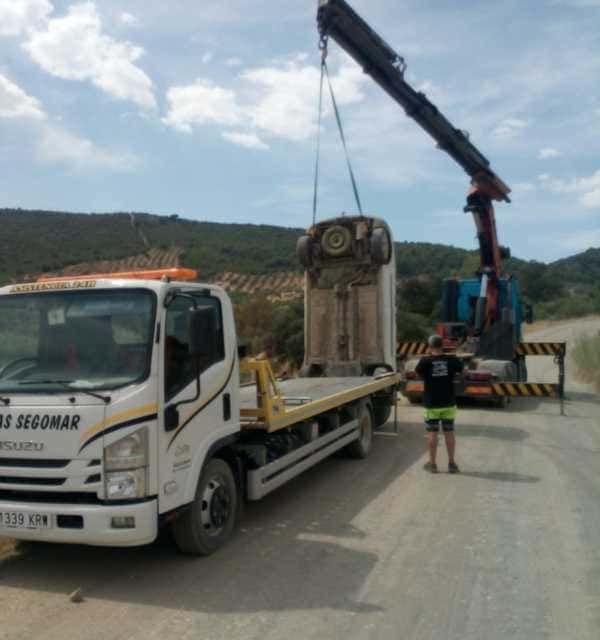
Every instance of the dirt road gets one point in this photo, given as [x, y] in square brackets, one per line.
[374, 549]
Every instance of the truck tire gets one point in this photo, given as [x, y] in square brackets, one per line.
[382, 412]
[304, 251]
[381, 246]
[211, 520]
[361, 448]
[521, 369]
[336, 241]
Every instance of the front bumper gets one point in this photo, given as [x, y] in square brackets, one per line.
[95, 521]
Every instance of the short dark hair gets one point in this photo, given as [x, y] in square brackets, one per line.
[435, 341]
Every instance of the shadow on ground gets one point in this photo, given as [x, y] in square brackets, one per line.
[269, 564]
[491, 431]
[501, 476]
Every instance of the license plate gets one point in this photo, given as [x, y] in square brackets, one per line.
[20, 520]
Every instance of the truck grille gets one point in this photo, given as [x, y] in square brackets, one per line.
[50, 480]
[33, 463]
[49, 497]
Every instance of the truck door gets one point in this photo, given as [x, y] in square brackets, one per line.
[200, 417]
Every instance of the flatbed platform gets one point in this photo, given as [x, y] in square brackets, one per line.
[298, 399]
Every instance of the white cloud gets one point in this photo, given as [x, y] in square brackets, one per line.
[248, 140]
[588, 188]
[548, 152]
[287, 97]
[207, 57]
[15, 103]
[509, 128]
[591, 199]
[59, 146]
[201, 103]
[233, 62]
[128, 19]
[19, 16]
[279, 101]
[75, 48]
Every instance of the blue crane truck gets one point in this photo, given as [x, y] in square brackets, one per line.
[482, 317]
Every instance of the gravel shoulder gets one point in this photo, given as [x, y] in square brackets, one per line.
[373, 549]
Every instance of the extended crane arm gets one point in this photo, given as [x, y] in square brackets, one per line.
[336, 19]
[339, 21]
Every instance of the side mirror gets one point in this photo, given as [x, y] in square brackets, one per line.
[171, 418]
[202, 330]
[528, 314]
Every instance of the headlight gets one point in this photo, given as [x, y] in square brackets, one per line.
[125, 485]
[130, 452]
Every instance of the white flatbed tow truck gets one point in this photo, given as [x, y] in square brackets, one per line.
[121, 410]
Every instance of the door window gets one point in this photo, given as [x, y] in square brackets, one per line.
[180, 368]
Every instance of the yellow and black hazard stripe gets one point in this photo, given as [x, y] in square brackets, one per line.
[541, 348]
[411, 348]
[524, 389]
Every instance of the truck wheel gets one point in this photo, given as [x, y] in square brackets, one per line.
[210, 521]
[336, 241]
[500, 402]
[381, 246]
[521, 369]
[382, 413]
[304, 250]
[362, 447]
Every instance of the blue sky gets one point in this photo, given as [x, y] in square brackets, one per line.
[208, 109]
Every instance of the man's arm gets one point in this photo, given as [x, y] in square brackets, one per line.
[421, 367]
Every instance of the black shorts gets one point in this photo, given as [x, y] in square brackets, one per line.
[433, 426]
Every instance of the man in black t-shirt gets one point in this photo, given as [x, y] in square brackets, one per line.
[438, 371]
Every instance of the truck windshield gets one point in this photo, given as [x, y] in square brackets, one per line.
[87, 339]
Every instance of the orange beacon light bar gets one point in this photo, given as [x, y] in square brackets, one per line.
[175, 273]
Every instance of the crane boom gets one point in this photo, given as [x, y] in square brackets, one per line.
[339, 21]
[336, 19]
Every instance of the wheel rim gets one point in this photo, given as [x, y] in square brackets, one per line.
[215, 506]
[336, 240]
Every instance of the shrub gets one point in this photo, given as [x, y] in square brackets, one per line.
[587, 358]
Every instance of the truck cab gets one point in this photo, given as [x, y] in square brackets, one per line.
[460, 299]
[98, 387]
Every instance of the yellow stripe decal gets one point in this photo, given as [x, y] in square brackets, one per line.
[118, 417]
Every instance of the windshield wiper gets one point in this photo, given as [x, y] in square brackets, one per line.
[67, 384]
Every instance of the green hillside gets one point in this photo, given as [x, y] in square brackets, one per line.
[33, 242]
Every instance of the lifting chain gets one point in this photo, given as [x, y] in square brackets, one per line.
[323, 41]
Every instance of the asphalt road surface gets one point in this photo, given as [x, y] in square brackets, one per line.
[366, 549]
